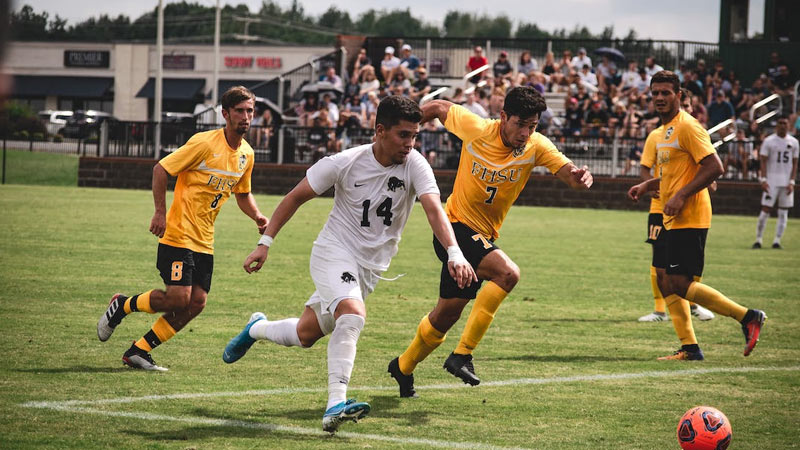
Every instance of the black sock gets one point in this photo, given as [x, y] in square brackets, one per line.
[119, 313]
[750, 315]
[691, 348]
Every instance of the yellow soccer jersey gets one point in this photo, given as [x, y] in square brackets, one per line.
[490, 175]
[649, 160]
[208, 170]
[682, 144]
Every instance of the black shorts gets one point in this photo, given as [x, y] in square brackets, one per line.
[184, 267]
[475, 247]
[686, 251]
[656, 235]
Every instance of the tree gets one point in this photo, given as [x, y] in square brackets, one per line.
[336, 19]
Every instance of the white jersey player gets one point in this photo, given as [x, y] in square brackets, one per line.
[779, 153]
[375, 186]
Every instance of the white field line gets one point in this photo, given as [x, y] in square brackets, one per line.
[511, 382]
[280, 428]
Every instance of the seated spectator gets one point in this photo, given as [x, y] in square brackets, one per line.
[538, 81]
[651, 67]
[604, 68]
[573, 118]
[502, 69]
[331, 77]
[430, 140]
[320, 141]
[640, 88]
[630, 76]
[632, 122]
[476, 61]
[362, 60]
[496, 102]
[355, 113]
[612, 82]
[701, 71]
[372, 108]
[699, 110]
[330, 105]
[773, 67]
[353, 86]
[399, 84]
[650, 118]
[616, 119]
[421, 86]
[634, 156]
[737, 154]
[259, 128]
[389, 63]
[458, 96]
[588, 78]
[408, 61]
[526, 64]
[720, 109]
[596, 120]
[369, 83]
[307, 106]
[581, 60]
[690, 82]
[475, 107]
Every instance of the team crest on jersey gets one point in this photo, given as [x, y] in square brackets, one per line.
[348, 277]
[242, 162]
[668, 134]
[395, 183]
[517, 151]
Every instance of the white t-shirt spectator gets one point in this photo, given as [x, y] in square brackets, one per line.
[477, 109]
[578, 62]
[653, 70]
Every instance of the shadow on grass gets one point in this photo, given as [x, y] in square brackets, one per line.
[75, 369]
[572, 319]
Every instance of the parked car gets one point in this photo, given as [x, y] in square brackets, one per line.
[53, 120]
[84, 124]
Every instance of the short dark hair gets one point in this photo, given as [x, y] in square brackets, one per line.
[685, 93]
[394, 108]
[524, 102]
[666, 76]
[234, 96]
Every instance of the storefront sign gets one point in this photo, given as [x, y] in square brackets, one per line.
[262, 62]
[178, 62]
[86, 58]
[238, 61]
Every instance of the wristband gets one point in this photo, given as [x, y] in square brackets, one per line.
[762, 179]
[454, 254]
[791, 182]
[265, 240]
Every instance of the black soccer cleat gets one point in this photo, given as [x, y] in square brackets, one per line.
[461, 366]
[777, 246]
[406, 382]
[756, 246]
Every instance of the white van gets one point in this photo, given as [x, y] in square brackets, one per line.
[54, 120]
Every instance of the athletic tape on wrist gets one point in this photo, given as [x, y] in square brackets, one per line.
[265, 240]
[454, 254]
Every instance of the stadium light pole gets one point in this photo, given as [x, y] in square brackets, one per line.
[215, 78]
[159, 79]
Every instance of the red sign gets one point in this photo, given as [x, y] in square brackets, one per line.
[238, 61]
[269, 63]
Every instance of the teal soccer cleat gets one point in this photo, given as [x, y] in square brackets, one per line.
[344, 411]
[242, 342]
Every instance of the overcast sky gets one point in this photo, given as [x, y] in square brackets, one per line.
[689, 20]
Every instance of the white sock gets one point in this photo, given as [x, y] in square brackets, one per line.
[341, 355]
[283, 332]
[762, 223]
[783, 217]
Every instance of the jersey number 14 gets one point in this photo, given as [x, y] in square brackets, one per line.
[384, 210]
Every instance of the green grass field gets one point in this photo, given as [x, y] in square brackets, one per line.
[53, 169]
[564, 366]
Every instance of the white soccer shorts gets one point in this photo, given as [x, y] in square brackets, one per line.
[337, 276]
[777, 193]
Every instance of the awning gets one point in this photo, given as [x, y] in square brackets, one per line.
[268, 90]
[173, 88]
[43, 86]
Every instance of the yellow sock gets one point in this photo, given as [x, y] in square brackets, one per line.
[161, 332]
[658, 299]
[486, 304]
[139, 302]
[697, 279]
[712, 299]
[425, 341]
[681, 319]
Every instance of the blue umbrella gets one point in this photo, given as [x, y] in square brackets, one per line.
[611, 53]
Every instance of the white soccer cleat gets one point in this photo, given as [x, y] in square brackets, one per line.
[702, 313]
[654, 317]
[140, 359]
[110, 318]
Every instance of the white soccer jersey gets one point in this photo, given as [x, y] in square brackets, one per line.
[780, 151]
[371, 202]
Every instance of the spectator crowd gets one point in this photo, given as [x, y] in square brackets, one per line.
[604, 98]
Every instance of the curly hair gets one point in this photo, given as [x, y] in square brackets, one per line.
[524, 102]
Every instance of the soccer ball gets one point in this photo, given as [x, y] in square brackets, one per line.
[704, 428]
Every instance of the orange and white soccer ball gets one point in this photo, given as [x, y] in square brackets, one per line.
[704, 428]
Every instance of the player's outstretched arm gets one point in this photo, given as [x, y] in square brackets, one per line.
[436, 109]
[283, 212]
[574, 177]
[158, 224]
[458, 266]
[710, 170]
[247, 203]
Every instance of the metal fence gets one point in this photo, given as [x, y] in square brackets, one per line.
[605, 156]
